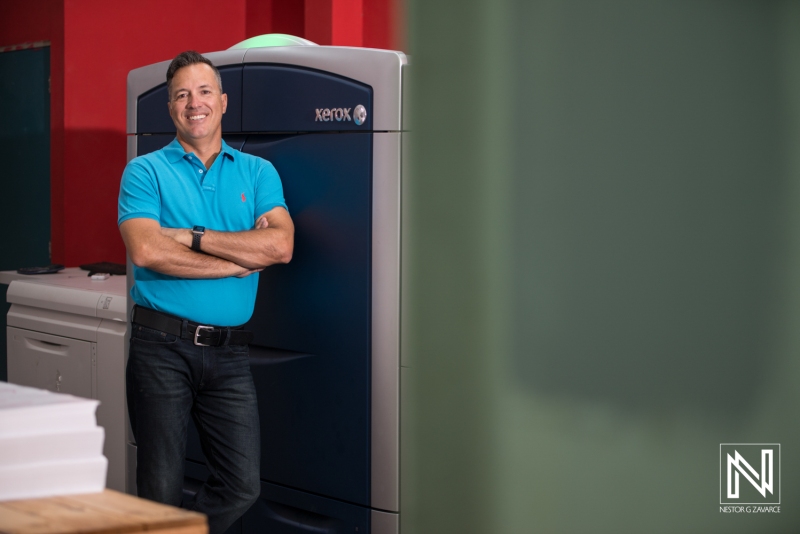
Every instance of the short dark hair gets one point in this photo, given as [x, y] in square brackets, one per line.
[184, 59]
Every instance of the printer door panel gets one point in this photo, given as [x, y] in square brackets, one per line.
[50, 362]
[310, 356]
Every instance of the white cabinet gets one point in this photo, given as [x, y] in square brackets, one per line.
[52, 362]
[68, 333]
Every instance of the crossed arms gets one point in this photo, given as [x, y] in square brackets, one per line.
[168, 250]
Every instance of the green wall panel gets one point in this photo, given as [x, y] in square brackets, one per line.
[25, 153]
[601, 277]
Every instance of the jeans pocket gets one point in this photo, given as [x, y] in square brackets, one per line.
[239, 350]
[143, 334]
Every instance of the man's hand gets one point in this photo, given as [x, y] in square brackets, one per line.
[261, 223]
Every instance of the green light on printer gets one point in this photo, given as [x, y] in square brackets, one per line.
[272, 39]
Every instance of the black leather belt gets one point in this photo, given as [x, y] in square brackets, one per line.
[201, 335]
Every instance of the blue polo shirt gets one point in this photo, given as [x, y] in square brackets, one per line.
[174, 188]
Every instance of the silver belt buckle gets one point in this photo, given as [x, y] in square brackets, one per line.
[197, 334]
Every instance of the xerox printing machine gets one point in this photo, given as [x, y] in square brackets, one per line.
[325, 357]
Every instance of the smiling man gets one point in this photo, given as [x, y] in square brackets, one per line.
[199, 221]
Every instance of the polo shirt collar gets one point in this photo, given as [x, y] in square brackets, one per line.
[227, 150]
[174, 151]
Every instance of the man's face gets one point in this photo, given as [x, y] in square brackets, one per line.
[196, 103]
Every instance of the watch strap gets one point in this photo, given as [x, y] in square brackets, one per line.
[197, 235]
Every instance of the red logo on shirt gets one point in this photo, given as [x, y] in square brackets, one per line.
[243, 199]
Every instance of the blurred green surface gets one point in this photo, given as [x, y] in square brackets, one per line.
[601, 263]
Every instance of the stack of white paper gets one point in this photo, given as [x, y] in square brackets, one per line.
[50, 444]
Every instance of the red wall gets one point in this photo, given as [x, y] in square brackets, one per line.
[275, 16]
[369, 23]
[94, 43]
[102, 43]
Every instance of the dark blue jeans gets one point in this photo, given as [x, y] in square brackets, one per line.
[169, 380]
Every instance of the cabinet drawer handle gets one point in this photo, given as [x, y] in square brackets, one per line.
[46, 346]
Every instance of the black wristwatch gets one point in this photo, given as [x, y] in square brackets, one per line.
[197, 234]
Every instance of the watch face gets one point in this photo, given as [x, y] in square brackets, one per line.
[198, 229]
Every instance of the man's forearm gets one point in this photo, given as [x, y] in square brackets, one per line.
[265, 245]
[147, 247]
[178, 260]
[254, 249]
